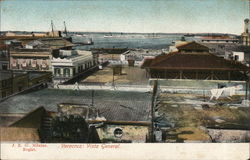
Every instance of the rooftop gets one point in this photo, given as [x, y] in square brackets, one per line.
[113, 105]
[19, 134]
[129, 76]
[190, 115]
[198, 61]
[193, 46]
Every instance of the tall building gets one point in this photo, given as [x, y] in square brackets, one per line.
[245, 36]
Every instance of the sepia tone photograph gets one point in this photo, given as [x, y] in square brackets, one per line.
[103, 73]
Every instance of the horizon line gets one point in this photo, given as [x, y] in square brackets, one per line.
[128, 32]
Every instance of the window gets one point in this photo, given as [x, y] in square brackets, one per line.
[4, 66]
[220, 85]
[66, 72]
[118, 132]
[236, 57]
[57, 71]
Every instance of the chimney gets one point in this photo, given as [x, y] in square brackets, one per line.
[246, 27]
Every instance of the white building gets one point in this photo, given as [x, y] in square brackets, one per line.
[138, 55]
[71, 63]
[237, 56]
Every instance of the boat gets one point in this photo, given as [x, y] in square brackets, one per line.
[108, 35]
[85, 41]
[80, 35]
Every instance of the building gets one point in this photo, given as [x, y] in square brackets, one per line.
[12, 82]
[228, 51]
[4, 57]
[193, 61]
[245, 36]
[219, 39]
[136, 56]
[37, 54]
[30, 59]
[70, 63]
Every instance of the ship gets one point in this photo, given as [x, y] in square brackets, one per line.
[108, 35]
[82, 38]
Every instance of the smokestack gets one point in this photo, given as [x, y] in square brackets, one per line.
[246, 28]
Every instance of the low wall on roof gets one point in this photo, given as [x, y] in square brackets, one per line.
[171, 86]
[137, 88]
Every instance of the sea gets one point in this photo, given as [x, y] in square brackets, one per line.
[131, 41]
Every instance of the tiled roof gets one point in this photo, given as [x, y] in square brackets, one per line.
[199, 61]
[146, 63]
[113, 105]
[192, 46]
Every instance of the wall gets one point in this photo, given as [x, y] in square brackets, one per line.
[5, 88]
[46, 77]
[32, 63]
[131, 133]
[20, 83]
[10, 86]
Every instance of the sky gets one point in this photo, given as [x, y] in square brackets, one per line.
[143, 16]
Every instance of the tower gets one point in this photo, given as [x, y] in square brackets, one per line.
[246, 27]
[245, 36]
